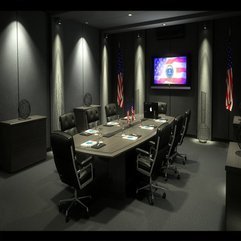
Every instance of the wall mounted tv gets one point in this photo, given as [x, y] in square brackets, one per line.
[170, 72]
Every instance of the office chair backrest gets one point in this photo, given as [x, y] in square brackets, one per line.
[176, 132]
[111, 112]
[186, 121]
[162, 107]
[162, 140]
[67, 123]
[92, 116]
[64, 157]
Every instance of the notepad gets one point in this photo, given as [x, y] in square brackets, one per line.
[160, 120]
[112, 123]
[91, 131]
[147, 127]
[88, 143]
[130, 137]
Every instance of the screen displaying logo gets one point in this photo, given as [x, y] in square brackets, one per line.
[170, 70]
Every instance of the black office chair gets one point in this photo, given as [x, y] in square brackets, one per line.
[162, 108]
[76, 175]
[67, 123]
[183, 134]
[93, 118]
[147, 160]
[168, 164]
[111, 112]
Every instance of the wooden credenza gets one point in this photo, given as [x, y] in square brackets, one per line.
[23, 142]
[233, 187]
[80, 116]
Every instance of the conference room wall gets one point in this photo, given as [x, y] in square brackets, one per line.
[24, 68]
[178, 101]
[222, 118]
[81, 63]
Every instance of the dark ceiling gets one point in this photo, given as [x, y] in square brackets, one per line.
[118, 21]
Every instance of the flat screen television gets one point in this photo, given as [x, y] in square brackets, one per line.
[170, 72]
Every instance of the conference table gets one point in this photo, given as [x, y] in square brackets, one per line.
[115, 143]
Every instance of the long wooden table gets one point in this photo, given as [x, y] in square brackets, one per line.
[119, 153]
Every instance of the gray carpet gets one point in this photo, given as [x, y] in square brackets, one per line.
[28, 199]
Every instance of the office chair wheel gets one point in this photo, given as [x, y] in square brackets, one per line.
[183, 162]
[164, 195]
[178, 176]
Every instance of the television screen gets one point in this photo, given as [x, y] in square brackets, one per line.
[170, 72]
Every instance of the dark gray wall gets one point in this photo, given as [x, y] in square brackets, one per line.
[8, 66]
[222, 118]
[178, 101]
[82, 64]
[30, 78]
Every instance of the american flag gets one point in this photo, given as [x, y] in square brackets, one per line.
[229, 79]
[120, 87]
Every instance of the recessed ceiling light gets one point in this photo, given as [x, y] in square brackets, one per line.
[130, 14]
[163, 24]
[86, 22]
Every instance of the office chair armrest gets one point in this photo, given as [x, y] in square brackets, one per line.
[86, 161]
[85, 167]
[142, 151]
[153, 143]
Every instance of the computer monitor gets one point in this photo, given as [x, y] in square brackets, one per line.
[151, 110]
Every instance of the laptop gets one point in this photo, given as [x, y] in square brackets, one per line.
[150, 110]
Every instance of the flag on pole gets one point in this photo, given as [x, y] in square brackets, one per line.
[120, 87]
[229, 78]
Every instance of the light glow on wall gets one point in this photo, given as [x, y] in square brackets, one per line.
[139, 77]
[57, 83]
[104, 82]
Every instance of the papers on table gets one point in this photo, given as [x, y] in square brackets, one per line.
[147, 127]
[112, 123]
[129, 137]
[88, 143]
[91, 131]
[160, 120]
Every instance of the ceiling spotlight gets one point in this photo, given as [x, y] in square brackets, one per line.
[204, 27]
[138, 35]
[163, 24]
[86, 22]
[106, 36]
[130, 14]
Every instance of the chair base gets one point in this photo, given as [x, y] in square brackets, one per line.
[153, 187]
[173, 168]
[72, 201]
[183, 156]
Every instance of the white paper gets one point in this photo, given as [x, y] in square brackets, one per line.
[147, 127]
[88, 143]
[91, 131]
[130, 137]
[112, 123]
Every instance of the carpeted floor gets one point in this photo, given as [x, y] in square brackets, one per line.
[196, 202]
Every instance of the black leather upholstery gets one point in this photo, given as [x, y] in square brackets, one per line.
[67, 123]
[162, 108]
[70, 172]
[111, 112]
[93, 118]
[147, 160]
